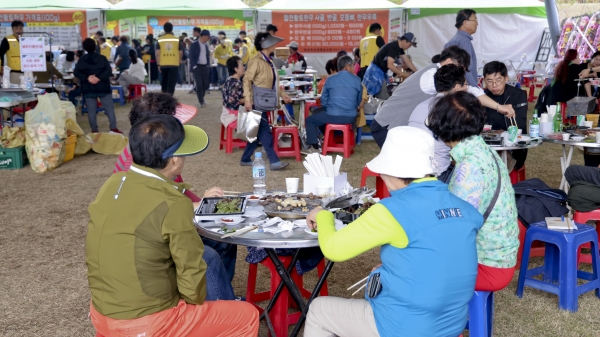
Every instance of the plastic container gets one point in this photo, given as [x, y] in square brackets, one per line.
[13, 159]
[70, 144]
[259, 175]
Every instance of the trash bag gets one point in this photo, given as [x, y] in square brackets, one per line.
[372, 105]
[70, 110]
[46, 132]
[107, 143]
[12, 137]
[82, 146]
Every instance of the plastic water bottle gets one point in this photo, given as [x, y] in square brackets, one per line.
[28, 84]
[292, 85]
[534, 127]
[259, 175]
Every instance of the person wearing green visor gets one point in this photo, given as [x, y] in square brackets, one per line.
[145, 267]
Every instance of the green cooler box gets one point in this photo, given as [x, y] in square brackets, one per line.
[12, 159]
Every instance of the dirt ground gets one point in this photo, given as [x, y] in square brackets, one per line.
[43, 284]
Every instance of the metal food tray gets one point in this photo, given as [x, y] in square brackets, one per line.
[207, 207]
[287, 215]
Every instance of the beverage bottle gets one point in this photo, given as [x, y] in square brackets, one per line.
[314, 86]
[558, 120]
[292, 85]
[259, 175]
[534, 127]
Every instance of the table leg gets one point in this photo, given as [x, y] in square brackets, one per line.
[314, 294]
[504, 155]
[565, 162]
[280, 287]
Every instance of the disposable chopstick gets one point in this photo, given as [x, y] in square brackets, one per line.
[359, 289]
[240, 232]
[357, 283]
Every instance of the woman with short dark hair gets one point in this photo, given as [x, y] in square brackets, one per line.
[233, 91]
[480, 178]
[94, 71]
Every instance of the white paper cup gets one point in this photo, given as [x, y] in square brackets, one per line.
[292, 184]
[543, 118]
[322, 190]
[589, 124]
[566, 136]
[520, 131]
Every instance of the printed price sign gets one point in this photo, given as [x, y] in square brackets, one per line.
[33, 55]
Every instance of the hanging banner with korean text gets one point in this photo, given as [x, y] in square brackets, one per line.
[322, 31]
[185, 24]
[33, 55]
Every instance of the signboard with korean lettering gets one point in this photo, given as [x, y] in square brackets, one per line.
[33, 55]
[185, 24]
[61, 24]
[323, 31]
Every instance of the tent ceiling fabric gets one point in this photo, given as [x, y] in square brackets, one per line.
[439, 7]
[55, 4]
[328, 4]
[133, 8]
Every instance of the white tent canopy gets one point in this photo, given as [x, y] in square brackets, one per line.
[507, 29]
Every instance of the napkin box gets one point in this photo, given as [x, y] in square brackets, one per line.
[336, 183]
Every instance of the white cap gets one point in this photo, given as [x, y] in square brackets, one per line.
[293, 44]
[407, 153]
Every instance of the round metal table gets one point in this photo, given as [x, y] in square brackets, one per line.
[297, 238]
[503, 150]
[565, 160]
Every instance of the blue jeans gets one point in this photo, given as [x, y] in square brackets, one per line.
[218, 287]
[266, 139]
[227, 252]
[318, 120]
[214, 76]
[223, 73]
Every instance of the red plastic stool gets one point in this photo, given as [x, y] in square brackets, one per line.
[309, 104]
[230, 142]
[135, 91]
[346, 146]
[279, 314]
[583, 217]
[537, 249]
[516, 176]
[19, 108]
[381, 189]
[294, 149]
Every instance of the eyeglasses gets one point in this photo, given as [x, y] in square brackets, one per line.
[497, 81]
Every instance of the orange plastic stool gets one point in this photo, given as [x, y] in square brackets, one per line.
[537, 249]
[294, 149]
[583, 217]
[381, 189]
[279, 314]
[307, 105]
[346, 146]
[516, 176]
[229, 142]
[135, 91]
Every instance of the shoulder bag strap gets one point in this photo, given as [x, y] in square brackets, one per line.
[488, 211]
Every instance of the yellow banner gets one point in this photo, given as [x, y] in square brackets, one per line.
[47, 24]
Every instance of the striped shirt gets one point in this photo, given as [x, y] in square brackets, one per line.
[124, 163]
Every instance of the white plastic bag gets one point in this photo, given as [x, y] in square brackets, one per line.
[46, 131]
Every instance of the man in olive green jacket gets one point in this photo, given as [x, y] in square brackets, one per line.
[144, 256]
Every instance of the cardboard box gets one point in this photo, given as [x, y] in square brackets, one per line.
[336, 184]
[282, 53]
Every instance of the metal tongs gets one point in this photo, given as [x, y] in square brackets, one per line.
[350, 199]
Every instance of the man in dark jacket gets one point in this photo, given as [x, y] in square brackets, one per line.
[94, 72]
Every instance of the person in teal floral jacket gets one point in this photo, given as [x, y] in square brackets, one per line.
[458, 119]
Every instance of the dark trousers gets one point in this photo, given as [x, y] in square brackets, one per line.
[73, 94]
[169, 79]
[201, 77]
[228, 254]
[379, 133]
[318, 120]
[265, 137]
[214, 76]
[585, 173]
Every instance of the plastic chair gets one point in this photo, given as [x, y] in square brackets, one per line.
[308, 105]
[366, 135]
[121, 98]
[136, 90]
[536, 250]
[279, 314]
[294, 149]
[481, 314]
[559, 270]
[346, 146]
[583, 217]
[516, 176]
[230, 143]
[381, 189]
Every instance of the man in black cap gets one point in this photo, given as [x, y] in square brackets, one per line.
[200, 63]
[375, 76]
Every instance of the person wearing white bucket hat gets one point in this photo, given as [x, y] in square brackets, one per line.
[423, 230]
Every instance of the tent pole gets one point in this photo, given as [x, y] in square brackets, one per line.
[553, 22]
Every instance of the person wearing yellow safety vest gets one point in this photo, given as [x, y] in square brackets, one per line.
[228, 42]
[369, 46]
[10, 47]
[169, 51]
[105, 48]
[249, 43]
[243, 51]
[221, 54]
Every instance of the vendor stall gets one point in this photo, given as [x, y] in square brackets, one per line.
[323, 28]
[507, 29]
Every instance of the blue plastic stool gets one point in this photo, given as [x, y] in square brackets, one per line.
[559, 270]
[84, 108]
[121, 98]
[481, 314]
[366, 135]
